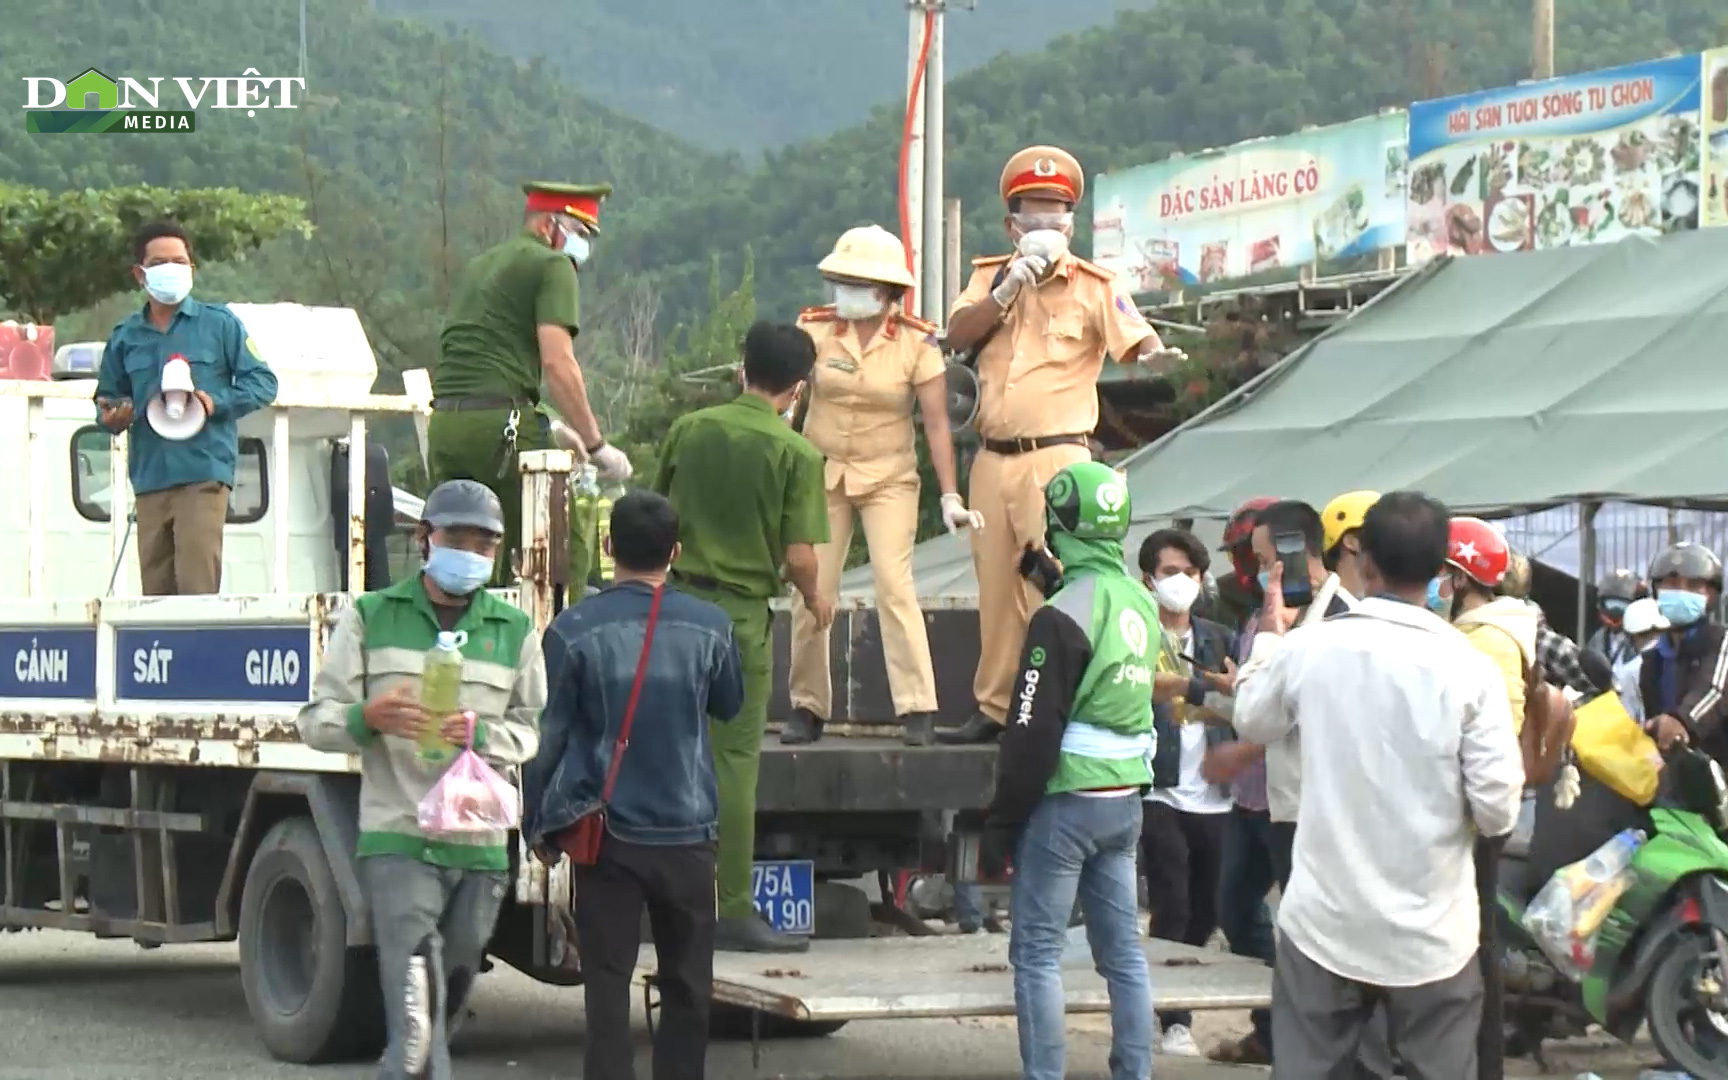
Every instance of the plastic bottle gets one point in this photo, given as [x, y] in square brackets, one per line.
[584, 538]
[1614, 856]
[441, 691]
[610, 494]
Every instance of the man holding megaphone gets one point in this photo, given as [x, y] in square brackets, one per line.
[1039, 322]
[197, 371]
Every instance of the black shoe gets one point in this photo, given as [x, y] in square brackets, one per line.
[753, 934]
[920, 728]
[802, 729]
[978, 730]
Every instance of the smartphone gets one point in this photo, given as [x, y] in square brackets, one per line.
[1292, 552]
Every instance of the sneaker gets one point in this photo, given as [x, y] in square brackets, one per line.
[417, 1018]
[1178, 1041]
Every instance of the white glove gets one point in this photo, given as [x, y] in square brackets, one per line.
[611, 463]
[956, 516]
[1567, 787]
[1023, 271]
[1164, 354]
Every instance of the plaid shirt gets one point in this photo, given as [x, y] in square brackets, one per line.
[1249, 787]
[1559, 658]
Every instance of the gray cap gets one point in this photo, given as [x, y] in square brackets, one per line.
[463, 502]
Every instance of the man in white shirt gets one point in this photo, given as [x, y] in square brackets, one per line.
[1407, 754]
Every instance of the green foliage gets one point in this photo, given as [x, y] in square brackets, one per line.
[1188, 75]
[59, 253]
[748, 74]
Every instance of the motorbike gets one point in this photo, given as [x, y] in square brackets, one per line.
[1661, 954]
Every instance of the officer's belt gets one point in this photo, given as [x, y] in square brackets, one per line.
[704, 582]
[1026, 446]
[480, 401]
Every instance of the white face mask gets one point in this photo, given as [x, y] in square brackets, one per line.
[577, 247]
[857, 301]
[1176, 592]
[1047, 244]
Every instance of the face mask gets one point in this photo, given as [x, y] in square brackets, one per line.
[168, 283]
[455, 571]
[856, 302]
[1060, 221]
[1436, 603]
[577, 247]
[1046, 244]
[792, 409]
[1264, 578]
[1613, 611]
[1680, 607]
[1176, 592]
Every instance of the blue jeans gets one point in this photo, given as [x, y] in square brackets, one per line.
[968, 907]
[1248, 874]
[1079, 846]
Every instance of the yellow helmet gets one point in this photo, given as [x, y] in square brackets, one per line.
[868, 253]
[1343, 514]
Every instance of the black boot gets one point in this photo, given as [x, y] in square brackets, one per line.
[979, 729]
[920, 728]
[802, 729]
[753, 934]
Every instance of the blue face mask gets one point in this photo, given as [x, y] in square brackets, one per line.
[168, 283]
[1436, 603]
[1680, 607]
[455, 571]
[577, 247]
[1265, 579]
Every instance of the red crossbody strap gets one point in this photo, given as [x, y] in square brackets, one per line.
[635, 695]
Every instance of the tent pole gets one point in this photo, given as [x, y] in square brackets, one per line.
[1586, 564]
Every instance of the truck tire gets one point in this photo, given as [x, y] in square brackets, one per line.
[312, 998]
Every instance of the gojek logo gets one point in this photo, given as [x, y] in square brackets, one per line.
[93, 102]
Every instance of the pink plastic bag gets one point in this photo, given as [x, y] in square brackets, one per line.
[470, 798]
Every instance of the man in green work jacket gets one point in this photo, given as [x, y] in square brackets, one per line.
[512, 320]
[748, 491]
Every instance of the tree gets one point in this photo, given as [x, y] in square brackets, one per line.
[61, 253]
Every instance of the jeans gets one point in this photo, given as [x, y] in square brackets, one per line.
[411, 900]
[968, 907]
[1075, 845]
[1245, 879]
[676, 885]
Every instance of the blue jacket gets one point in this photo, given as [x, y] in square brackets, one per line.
[224, 365]
[666, 792]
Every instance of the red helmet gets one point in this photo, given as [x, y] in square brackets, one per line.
[1479, 550]
[1237, 534]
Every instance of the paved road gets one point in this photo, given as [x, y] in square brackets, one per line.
[77, 1009]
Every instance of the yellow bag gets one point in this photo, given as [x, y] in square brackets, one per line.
[1614, 749]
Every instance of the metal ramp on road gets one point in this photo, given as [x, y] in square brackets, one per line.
[958, 975]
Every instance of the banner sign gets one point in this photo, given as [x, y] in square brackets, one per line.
[1254, 208]
[1581, 159]
[1714, 181]
[215, 663]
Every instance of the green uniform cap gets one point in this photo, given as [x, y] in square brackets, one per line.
[1089, 501]
[580, 201]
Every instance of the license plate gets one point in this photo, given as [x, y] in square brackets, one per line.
[785, 894]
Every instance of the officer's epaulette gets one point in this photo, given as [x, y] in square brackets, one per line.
[990, 260]
[915, 323]
[1094, 269]
[819, 313]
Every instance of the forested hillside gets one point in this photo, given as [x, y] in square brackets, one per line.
[748, 74]
[1189, 75]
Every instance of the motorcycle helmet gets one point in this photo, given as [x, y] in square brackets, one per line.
[1238, 537]
[1620, 585]
[1478, 550]
[1687, 561]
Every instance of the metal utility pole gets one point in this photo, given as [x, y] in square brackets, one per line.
[930, 296]
[951, 268]
[1542, 51]
[914, 149]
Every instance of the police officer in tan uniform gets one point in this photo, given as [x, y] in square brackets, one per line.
[1045, 318]
[873, 361]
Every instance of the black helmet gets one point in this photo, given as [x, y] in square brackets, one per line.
[463, 502]
[1618, 585]
[1691, 562]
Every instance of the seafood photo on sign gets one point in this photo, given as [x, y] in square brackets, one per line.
[1343, 223]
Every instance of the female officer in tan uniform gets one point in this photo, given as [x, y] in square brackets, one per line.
[872, 362]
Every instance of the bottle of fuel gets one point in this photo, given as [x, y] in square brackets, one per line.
[441, 692]
[584, 529]
[609, 494]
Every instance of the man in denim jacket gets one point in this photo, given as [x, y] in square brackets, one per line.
[662, 818]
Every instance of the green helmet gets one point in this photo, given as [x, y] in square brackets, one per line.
[1088, 501]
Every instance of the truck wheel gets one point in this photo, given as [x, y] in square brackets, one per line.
[313, 998]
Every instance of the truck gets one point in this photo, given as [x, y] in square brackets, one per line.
[153, 786]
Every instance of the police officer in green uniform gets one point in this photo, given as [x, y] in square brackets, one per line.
[512, 321]
[750, 501]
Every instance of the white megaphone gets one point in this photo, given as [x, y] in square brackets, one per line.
[175, 412]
